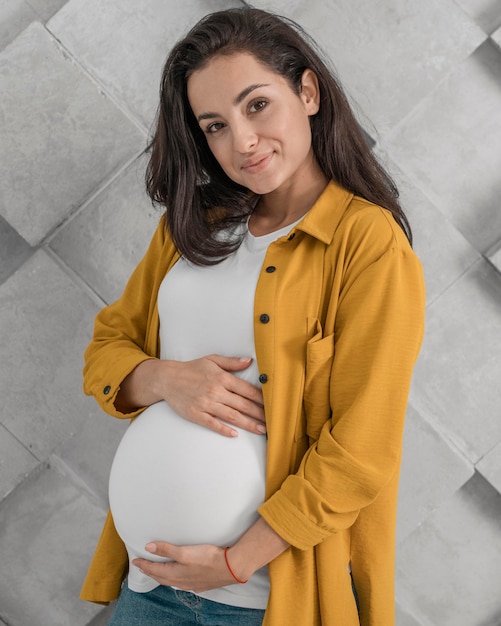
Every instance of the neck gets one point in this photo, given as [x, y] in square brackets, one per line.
[285, 206]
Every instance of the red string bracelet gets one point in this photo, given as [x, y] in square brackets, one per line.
[240, 582]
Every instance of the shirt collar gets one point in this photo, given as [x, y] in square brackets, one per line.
[322, 219]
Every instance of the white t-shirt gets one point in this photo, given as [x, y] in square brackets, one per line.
[173, 480]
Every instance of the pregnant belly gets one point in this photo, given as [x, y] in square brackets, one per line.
[175, 481]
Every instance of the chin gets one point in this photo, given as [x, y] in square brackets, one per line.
[262, 188]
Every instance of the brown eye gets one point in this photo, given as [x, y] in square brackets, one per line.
[257, 105]
[214, 127]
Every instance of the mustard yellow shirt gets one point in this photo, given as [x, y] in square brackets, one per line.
[345, 298]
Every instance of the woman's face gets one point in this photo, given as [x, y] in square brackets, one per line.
[256, 126]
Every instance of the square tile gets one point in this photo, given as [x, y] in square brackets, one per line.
[103, 617]
[432, 471]
[404, 619]
[46, 8]
[89, 453]
[107, 239]
[125, 45]
[48, 530]
[46, 320]
[490, 467]
[442, 249]
[14, 250]
[61, 136]
[388, 54]
[496, 37]
[495, 259]
[15, 16]
[448, 570]
[456, 379]
[446, 147]
[486, 13]
[16, 462]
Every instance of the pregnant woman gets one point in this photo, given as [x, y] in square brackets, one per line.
[263, 347]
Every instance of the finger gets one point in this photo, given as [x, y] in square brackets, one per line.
[242, 421]
[246, 407]
[230, 363]
[162, 572]
[245, 389]
[162, 548]
[254, 423]
[223, 414]
[214, 423]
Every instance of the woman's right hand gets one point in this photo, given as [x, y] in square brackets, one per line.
[203, 391]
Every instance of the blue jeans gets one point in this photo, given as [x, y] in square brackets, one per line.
[165, 606]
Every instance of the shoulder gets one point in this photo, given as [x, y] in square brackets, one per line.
[369, 231]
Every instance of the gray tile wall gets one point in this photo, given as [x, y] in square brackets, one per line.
[78, 84]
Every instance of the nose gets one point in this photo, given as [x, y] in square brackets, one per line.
[244, 137]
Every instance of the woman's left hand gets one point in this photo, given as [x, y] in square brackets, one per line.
[193, 568]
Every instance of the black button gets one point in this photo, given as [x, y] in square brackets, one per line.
[264, 319]
[106, 390]
[291, 236]
[270, 269]
[263, 378]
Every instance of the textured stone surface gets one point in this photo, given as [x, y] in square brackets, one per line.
[47, 531]
[46, 8]
[452, 558]
[497, 37]
[58, 136]
[446, 146]
[365, 39]
[103, 617]
[13, 250]
[402, 618]
[16, 462]
[89, 453]
[46, 320]
[125, 53]
[15, 15]
[456, 380]
[487, 13]
[444, 252]
[490, 467]
[105, 241]
[432, 470]
[495, 259]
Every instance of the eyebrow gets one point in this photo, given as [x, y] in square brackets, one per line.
[238, 99]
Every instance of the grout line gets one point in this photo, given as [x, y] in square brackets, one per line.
[56, 462]
[428, 415]
[21, 443]
[38, 469]
[492, 264]
[76, 278]
[90, 197]
[459, 277]
[103, 89]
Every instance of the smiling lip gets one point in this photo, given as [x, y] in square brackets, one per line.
[258, 164]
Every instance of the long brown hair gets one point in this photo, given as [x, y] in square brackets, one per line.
[184, 176]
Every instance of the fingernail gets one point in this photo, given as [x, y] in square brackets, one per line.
[151, 547]
[261, 428]
[245, 359]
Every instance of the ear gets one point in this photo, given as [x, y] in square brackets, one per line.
[310, 92]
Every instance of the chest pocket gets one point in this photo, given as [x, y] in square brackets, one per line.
[319, 358]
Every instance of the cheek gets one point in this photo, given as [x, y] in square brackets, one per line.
[295, 129]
